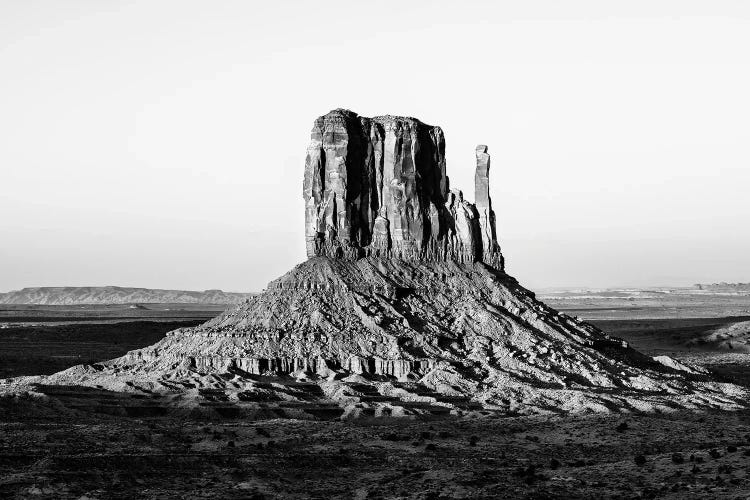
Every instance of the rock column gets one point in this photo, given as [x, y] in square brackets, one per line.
[483, 202]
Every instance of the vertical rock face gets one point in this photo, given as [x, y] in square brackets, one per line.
[378, 187]
[490, 249]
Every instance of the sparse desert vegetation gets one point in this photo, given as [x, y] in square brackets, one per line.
[57, 447]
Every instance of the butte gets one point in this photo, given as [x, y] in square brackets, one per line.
[403, 307]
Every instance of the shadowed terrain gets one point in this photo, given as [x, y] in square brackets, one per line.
[41, 339]
[701, 455]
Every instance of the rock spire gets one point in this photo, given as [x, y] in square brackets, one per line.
[483, 201]
[378, 187]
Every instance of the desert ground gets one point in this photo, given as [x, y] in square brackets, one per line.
[58, 446]
[41, 339]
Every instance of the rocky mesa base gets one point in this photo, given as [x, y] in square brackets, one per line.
[388, 337]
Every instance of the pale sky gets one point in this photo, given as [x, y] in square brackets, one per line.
[162, 143]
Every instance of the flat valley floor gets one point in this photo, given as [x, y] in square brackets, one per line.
[50, 450]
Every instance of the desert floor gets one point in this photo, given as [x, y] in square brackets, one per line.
[50, 450]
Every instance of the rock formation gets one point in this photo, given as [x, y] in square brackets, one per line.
[403, 307]
[490, 248]
[377, 187]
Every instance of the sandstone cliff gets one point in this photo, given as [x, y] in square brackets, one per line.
[377, 187]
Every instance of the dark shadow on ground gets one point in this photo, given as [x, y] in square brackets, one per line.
[45, 349]
[674, 455]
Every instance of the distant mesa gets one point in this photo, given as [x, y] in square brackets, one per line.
[95, 295]
[724, 287]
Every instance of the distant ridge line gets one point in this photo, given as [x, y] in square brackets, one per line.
[87, 295]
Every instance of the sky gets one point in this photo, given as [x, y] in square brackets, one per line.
[162, 143]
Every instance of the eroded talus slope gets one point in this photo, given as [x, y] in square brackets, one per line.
[460, 333]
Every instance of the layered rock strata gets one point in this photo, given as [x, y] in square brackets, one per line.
[377, 187]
